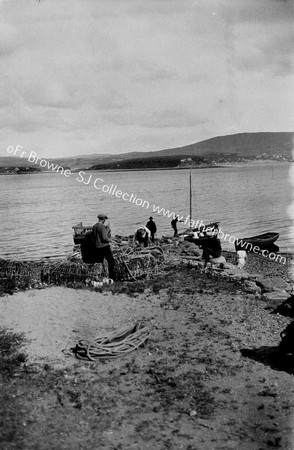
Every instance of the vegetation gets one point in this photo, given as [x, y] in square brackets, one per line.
[11, 170]
[239, 147]
[159, 162]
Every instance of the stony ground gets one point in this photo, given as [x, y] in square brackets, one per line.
[208, 378]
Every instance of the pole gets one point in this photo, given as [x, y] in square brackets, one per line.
[190, 200]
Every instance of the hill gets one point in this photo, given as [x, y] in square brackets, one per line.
[153, 162]
[244, 144]
[239, 147]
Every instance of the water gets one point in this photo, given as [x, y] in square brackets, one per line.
[38, 211]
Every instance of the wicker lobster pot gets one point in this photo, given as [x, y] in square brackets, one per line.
[132, 264]
[55, 272]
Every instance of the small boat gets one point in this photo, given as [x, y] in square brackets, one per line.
[262, 241]
[80, 231]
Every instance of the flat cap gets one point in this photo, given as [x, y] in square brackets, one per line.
[102, 216]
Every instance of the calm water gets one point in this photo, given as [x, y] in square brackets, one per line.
[38, 211]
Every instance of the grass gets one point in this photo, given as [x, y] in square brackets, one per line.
[11, 358]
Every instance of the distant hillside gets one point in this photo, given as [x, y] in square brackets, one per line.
[154, 162]
[72, 161]
[244, 144]
[216, 151]
[237, 147]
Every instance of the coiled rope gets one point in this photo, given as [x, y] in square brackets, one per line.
[116, 344]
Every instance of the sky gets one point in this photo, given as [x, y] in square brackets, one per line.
[115, 76]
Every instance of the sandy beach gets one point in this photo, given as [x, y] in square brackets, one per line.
[205, 379]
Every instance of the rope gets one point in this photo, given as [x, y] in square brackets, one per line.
[116, 344]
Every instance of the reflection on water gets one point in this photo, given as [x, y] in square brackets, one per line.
[38, 211]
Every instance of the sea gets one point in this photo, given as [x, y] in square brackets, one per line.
[38, 211]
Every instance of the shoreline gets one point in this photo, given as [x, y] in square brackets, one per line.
[173, 249]
[286, 254]
[222, 166]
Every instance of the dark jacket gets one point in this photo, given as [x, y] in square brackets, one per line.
[174, 223]
[151, 226]
[100, 235]
[212, 242]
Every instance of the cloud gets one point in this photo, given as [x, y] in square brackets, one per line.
[255, 13]
[8, 39]
[177, 117]
[260, 35]
[143, 73]
[270, 51]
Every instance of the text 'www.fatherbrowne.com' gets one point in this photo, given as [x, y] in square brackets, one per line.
[112, 189]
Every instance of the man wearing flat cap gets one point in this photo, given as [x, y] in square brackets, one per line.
[101, 236]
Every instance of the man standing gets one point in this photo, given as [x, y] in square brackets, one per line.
[152, 227]
[102, 244]
[174, 224]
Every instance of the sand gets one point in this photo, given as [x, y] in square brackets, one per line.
[206, 378]
[191, 387]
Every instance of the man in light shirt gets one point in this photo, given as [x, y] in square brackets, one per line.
[142, 236]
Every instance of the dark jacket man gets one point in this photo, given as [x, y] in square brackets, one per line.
[102, 243]
[152, 227]
[211, 246]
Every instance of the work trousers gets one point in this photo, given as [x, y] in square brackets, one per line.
[105, 252]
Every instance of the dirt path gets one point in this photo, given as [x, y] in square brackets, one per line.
[204, 380]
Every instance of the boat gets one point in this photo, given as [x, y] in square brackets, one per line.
[196, 235]
[265, 240]
[80, 231]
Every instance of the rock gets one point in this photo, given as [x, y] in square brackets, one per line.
[239, 276]
[273, 284]
[193, 262]
[223, 274]
[254, 276]
[163, 292]
[232, 271]
[219, 260]
[199, 264]
[217, 267]
[278, 295]
[252, 287]
[275, 298]
[229, 266]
